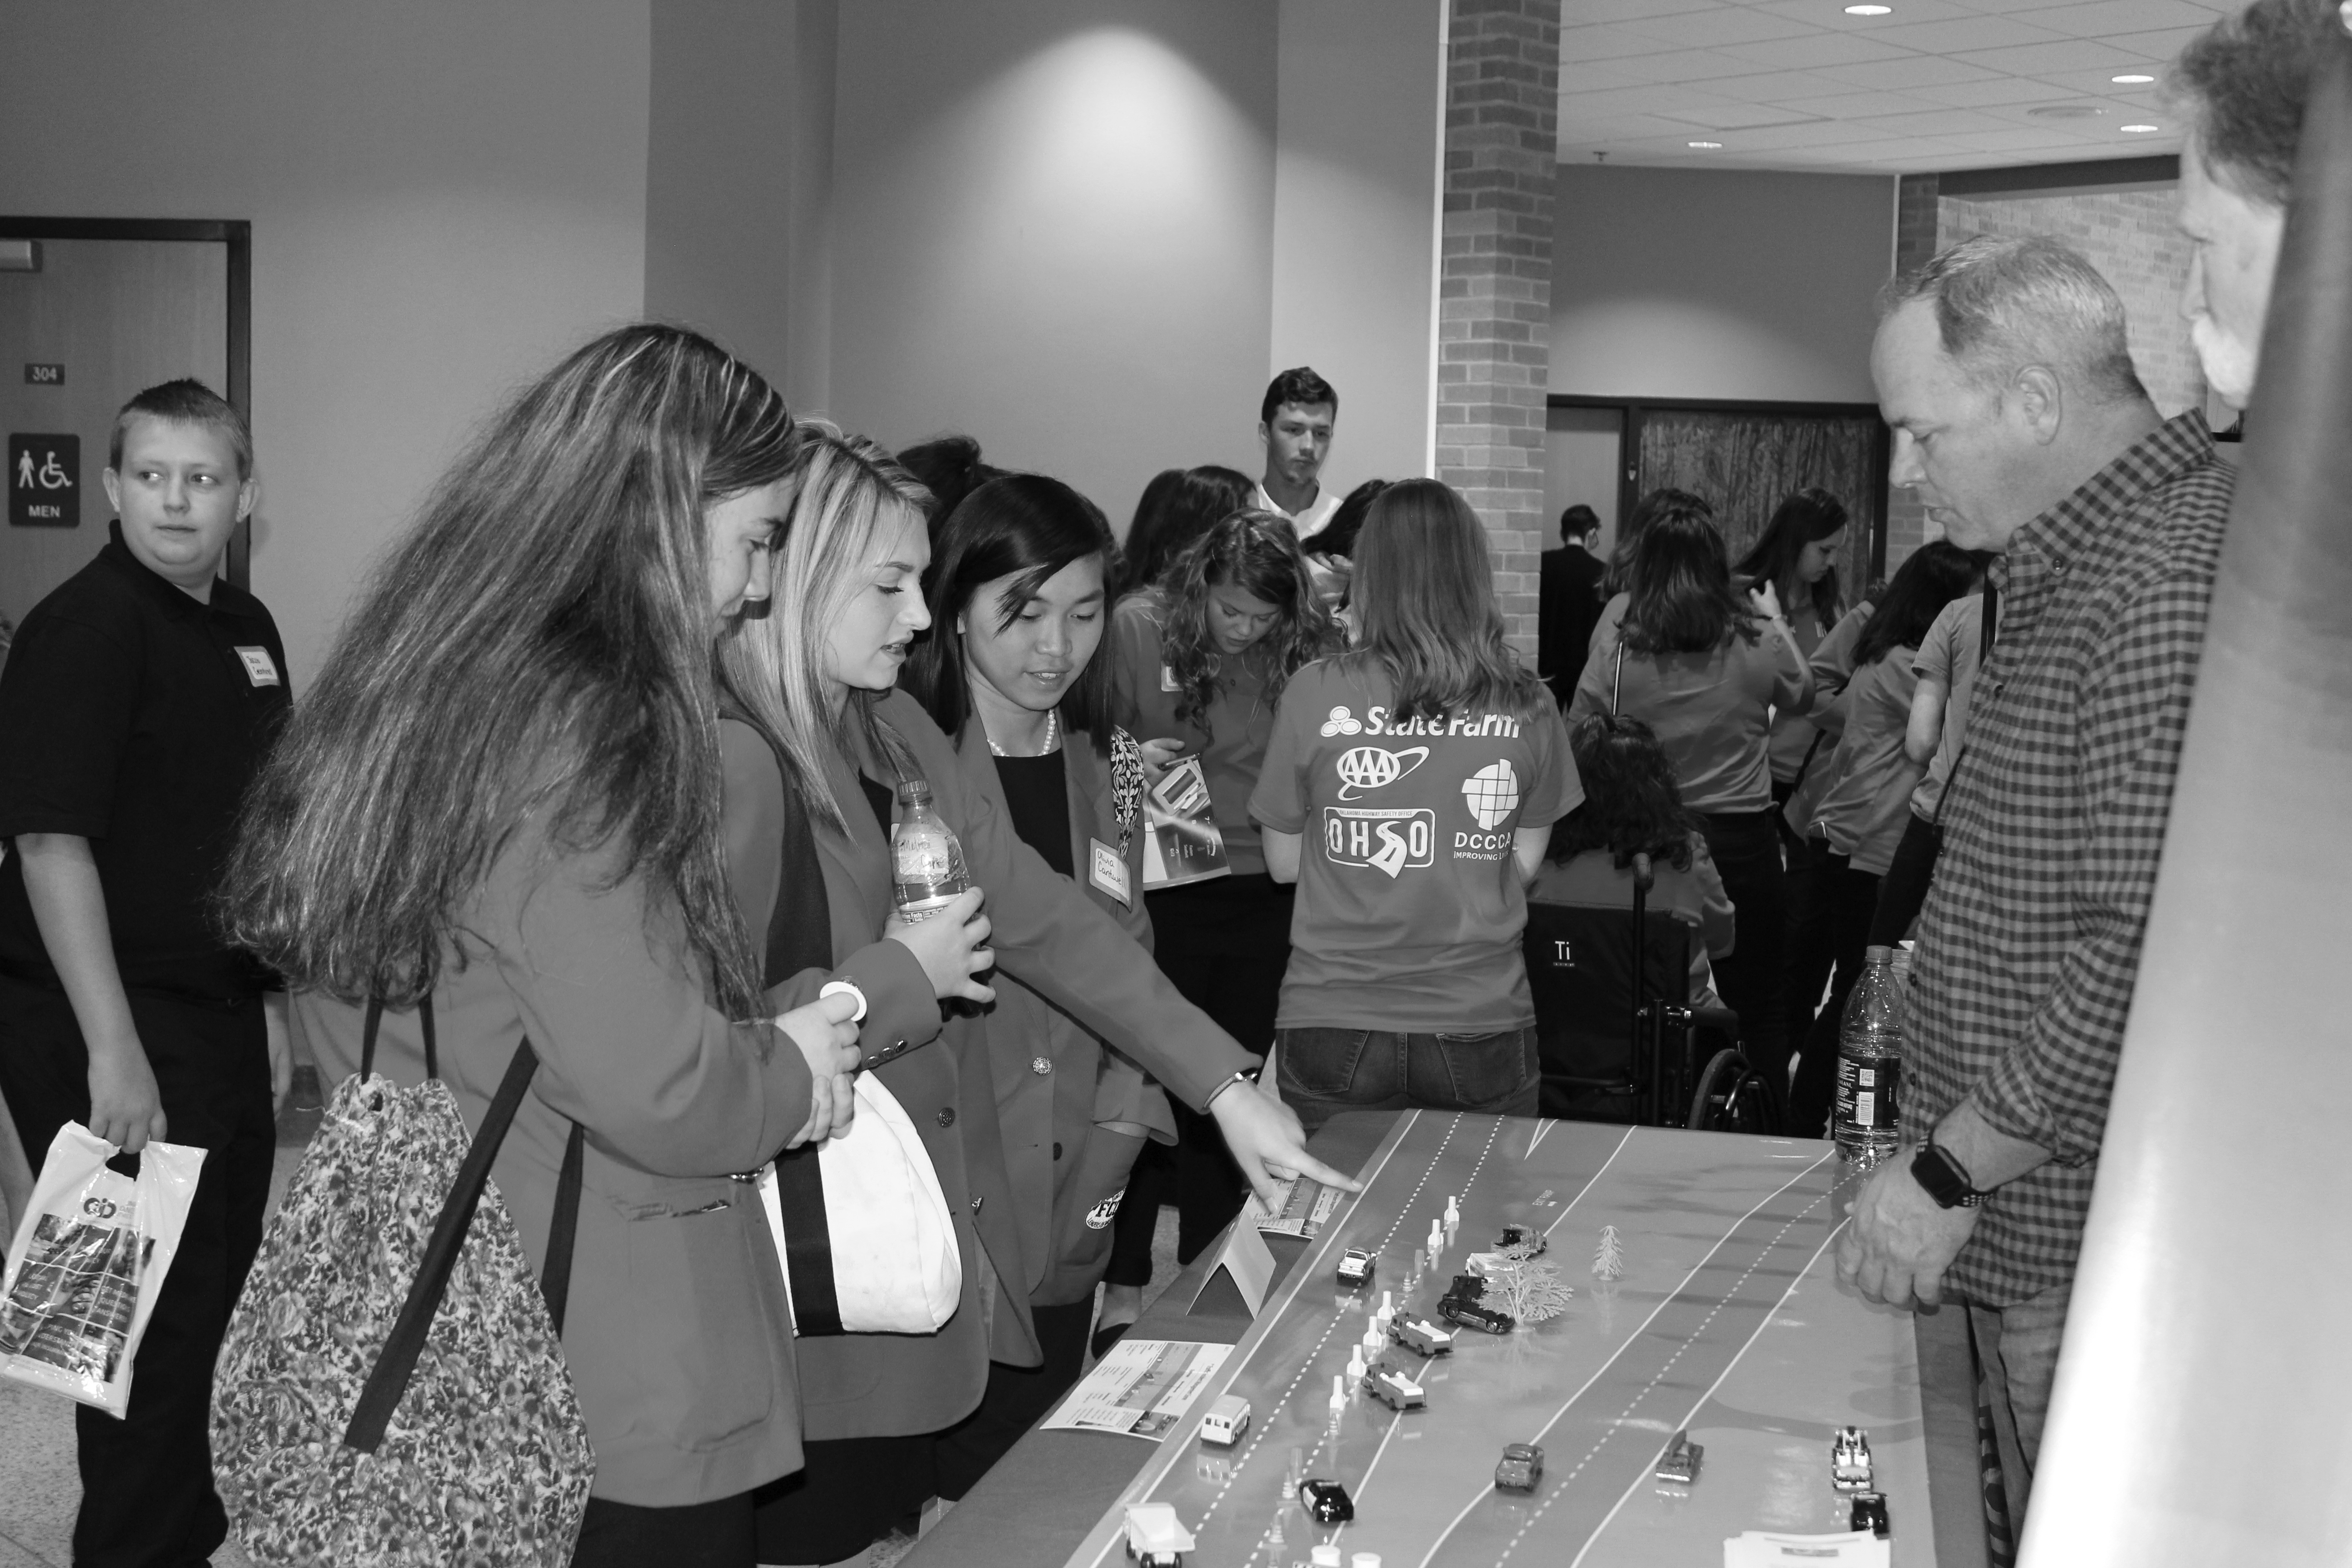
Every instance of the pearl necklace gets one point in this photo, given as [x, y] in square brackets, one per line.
[1053, 736]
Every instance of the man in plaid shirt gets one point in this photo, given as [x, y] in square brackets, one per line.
[2003, 369]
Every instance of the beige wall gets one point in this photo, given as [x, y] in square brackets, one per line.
[1355, 199]
[446, 195]
[1740, 284]
[1053, 229]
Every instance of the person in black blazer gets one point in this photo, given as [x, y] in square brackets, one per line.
[1569, 605]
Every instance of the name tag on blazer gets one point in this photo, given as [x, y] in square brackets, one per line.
[1107, 869]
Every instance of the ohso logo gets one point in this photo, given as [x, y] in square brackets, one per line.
[1370, 768]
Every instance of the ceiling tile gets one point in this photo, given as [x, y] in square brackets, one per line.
[1776, 87]
[1682, 65]
[1629, 101]
[1832, 13]
[1724, 114]
[1576, 12]
[1585, 78]
[1814, 51]
[2105, 18]
[2159, 46]
[1932, 122]
[2064, 55]
[1853, 105]
[1991, 90]
[1905, 72]
[1724, 25]
[1965, 33]
[2022, 141]
[1604, 43]
[1818, 133]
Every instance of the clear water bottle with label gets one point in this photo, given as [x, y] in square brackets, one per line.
[925, 858]
[1870, 1063]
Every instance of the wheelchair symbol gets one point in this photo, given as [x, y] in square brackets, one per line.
[48, 476]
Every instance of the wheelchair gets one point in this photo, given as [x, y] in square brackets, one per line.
[1618, 1038]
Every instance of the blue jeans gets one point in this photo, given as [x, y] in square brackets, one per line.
[1323, 1072]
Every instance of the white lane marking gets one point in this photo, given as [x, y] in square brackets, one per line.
[1692, 1415]
[1628, 1343]
[1569, 1207]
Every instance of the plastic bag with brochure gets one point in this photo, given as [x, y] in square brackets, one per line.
[88, 1262]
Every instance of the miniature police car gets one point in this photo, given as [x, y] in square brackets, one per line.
[1679, 1463]
[1326, 1502]
[1422, 1337]
[1472, 1313]
[1393, 1388]
[1355, 1269]
[1521, 1469]
[1526, 1237]
[1228, 1419]
[1850, 1461]
[1154, 1539]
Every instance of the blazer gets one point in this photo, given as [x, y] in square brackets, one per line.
[1074, 1113]
[677, 1334]
[1047, 932]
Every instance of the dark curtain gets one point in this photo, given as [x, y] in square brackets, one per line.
[1745, 464]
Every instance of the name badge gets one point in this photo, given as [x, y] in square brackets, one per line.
[1168, 679]
[259, 668]
[1107, 869]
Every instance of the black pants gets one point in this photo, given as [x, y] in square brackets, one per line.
[1016, 1397]
[1903, 891]
[1848, 899]
[1746, 845]
[1225, 944]
[848, 1494]
[147, 1479]
[699, 1535]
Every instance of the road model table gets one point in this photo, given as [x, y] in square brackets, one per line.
[1727, 1320]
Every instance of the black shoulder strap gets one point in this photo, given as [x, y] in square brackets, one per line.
[375, 1022]
[389, 1380]
[1986, 628]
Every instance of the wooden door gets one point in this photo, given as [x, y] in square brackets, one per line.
[117, 315]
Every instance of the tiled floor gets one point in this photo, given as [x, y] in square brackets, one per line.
[40, 1490]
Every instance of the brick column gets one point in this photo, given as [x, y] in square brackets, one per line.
[1916, 232]
[1495, 297]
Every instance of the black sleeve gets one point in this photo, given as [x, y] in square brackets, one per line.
[67, 700]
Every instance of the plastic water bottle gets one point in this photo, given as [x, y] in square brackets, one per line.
[1870, 1063]
[925, 858]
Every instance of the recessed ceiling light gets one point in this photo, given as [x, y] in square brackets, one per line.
[2142, 130]
[1868, 10]
[1711, 146]
[2133, 78]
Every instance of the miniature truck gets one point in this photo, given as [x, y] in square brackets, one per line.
[1850, 1461]
[1422, 1337]
[1393, 1388]
[1228, 1419]
[1355, 1269]
[1471, 1313]
[1522, 1236]
[1521, 1469]
[1326, 1502]
[1679, 1464]
[1154, 1539]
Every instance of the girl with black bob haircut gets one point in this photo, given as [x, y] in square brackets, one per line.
[1177, 506]
[1406, 985]
[502, 803]
[1707, 668]
[1011, 674]
[1852, 826]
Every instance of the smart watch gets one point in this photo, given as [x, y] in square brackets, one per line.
[1943, 1179]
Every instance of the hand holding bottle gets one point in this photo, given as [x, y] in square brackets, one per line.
[951, 944]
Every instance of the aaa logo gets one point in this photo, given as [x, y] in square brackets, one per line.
[1371, 767]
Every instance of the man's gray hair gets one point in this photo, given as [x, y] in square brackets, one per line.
[2004, 304]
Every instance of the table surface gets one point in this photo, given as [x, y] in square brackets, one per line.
[1728, 1321]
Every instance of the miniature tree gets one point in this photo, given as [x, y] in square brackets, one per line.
[1527, 1289]
[1608, 1258]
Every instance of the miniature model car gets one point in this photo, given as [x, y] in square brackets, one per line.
[1228, 1419]
[1422, 1337]
[1522, 1467]
[1679, 1463]
[1850, 1461]
[1355, 1269]
[1154, 1539]
[1326, 1502]
[1870, 1513]
[1469, 1287]
[1393, 1388]
[1471, 1313]
[1523, 1236]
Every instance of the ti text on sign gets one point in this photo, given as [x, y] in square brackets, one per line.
[44, 482]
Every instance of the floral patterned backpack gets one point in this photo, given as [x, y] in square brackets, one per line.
[393, 1389]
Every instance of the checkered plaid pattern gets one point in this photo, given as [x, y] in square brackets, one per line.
[2053, 824]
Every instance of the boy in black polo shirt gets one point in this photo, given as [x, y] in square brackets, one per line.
[137, 701]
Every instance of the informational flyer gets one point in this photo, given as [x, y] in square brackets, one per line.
[1143, 1388]
[1306, 1205]
[1767, 1549]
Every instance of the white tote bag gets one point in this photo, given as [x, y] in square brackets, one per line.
[867, 1243]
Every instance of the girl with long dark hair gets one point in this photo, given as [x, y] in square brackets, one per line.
[1197, 667]
[502, 803]
[1852, 832]
[1797, 554]
[1427, 768]
[1706, 668]
[1010, 673]
[823, 736]
[1178, 506]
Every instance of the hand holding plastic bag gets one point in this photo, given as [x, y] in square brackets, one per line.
[87, 1263]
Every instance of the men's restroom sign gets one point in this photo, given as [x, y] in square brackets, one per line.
[44, 482]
